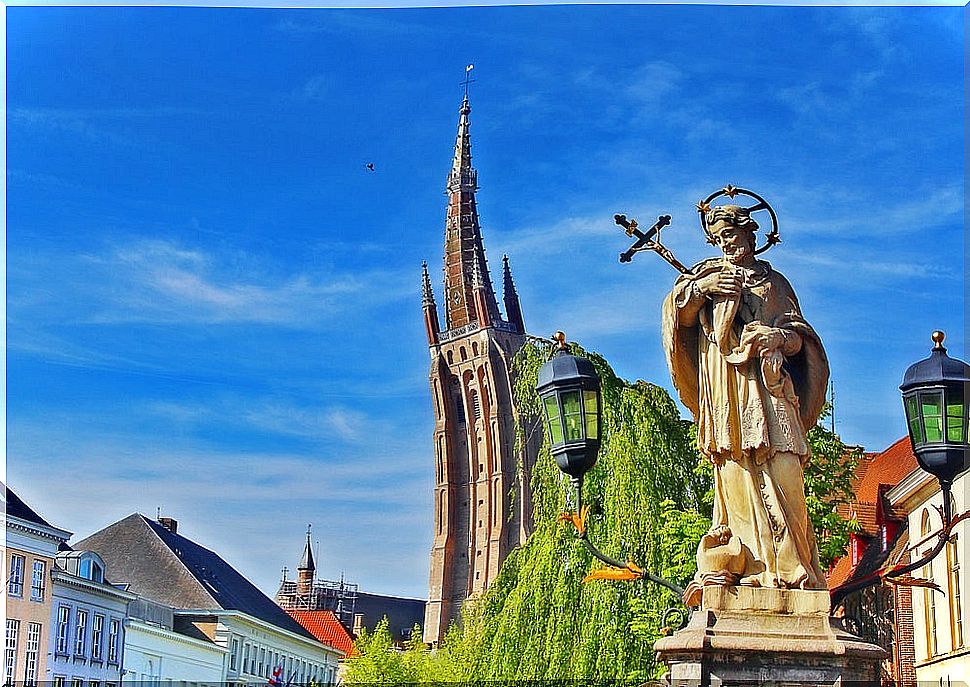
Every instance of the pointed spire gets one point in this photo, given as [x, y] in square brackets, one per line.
[463, 177]
[508, 285]
[427, 293]
[513, 311]
[306, 563]
[464, 250]
[431, 325]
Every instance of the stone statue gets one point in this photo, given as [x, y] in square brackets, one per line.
[754, 374]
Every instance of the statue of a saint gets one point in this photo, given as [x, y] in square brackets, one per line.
[754, 374]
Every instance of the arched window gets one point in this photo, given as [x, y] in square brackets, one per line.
[463, 353]
[929, 596]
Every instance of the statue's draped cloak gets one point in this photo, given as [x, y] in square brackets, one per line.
[752, 415]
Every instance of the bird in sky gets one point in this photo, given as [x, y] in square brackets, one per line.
[370, 167]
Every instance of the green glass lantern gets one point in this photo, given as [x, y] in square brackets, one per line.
[569, 390]
[935, 395]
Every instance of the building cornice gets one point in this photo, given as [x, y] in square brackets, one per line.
[259, 624]
[173, 635]
[46, 531]
[918, 482]
[69, 580]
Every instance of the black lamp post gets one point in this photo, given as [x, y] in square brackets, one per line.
[569, 390]
[935, 394]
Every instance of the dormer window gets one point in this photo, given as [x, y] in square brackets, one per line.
[90, 569]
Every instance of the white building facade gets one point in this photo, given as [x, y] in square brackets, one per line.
[941, 634]
[255, 648]
[157, 656]
[87, 631]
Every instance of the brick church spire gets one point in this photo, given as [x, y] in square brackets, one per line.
[464, 250]
[482, 504]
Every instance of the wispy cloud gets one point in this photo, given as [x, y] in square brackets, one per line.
[156, 281]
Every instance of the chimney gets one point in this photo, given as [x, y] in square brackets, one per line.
[171, 524]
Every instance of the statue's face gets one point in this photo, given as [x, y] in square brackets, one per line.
[736, 244]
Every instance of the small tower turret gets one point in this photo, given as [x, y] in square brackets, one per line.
[431, 325]
[513, 312]
[307, 569]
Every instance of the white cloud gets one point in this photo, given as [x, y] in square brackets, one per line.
[165, 283]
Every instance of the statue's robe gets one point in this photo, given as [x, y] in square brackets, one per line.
[752, 413]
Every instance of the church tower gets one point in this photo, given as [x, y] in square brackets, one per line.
[482, 507]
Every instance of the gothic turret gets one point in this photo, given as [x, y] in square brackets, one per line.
[513, 312]
[429, 307]
[307, 569]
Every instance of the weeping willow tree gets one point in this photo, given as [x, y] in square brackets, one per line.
[650, 498]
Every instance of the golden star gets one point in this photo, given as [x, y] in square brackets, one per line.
[731, 191]
[703, 207]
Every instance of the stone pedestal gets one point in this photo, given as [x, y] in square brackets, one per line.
[751, 636]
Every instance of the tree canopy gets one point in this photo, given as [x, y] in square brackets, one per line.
[650, 497]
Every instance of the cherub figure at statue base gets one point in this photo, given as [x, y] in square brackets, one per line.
[722, 559]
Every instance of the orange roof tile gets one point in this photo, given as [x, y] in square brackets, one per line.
[888, 467]
[325, 626]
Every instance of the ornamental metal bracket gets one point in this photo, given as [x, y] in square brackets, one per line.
[899, 574]
[674, 618]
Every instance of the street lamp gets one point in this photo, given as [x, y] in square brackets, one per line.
[935, 393]
[935, 401]
[569, 390]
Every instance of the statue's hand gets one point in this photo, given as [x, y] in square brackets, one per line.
[762, 338]
[723, 283]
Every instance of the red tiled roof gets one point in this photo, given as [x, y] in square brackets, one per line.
[327, 629]
[887, 468]
[840, 572]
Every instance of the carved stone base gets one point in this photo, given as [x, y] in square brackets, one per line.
[747, 636]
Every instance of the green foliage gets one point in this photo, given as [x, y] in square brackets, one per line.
[537, 619]
[828, 484]
[651, 497]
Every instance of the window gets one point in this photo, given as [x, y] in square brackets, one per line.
[63, 621]
[59, 681]
[246, 659]
[77, 682]
[10, 655]
[956, 610]
[30, 655]
[232, 653]
[94, 683]
[114, 629]
[80, 631]
[37, 581]
[15, 586]
[97, 635]
[90, 569]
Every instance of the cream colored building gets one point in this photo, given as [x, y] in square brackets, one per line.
[32, 544]
[941, 633]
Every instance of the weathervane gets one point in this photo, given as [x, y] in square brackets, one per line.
[468, 79]
[651, 239]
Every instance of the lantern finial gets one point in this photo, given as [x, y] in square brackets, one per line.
[938, 337]
[560, 337]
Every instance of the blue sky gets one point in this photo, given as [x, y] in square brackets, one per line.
[214, 308]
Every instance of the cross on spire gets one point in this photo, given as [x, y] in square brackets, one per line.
[468, 79]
